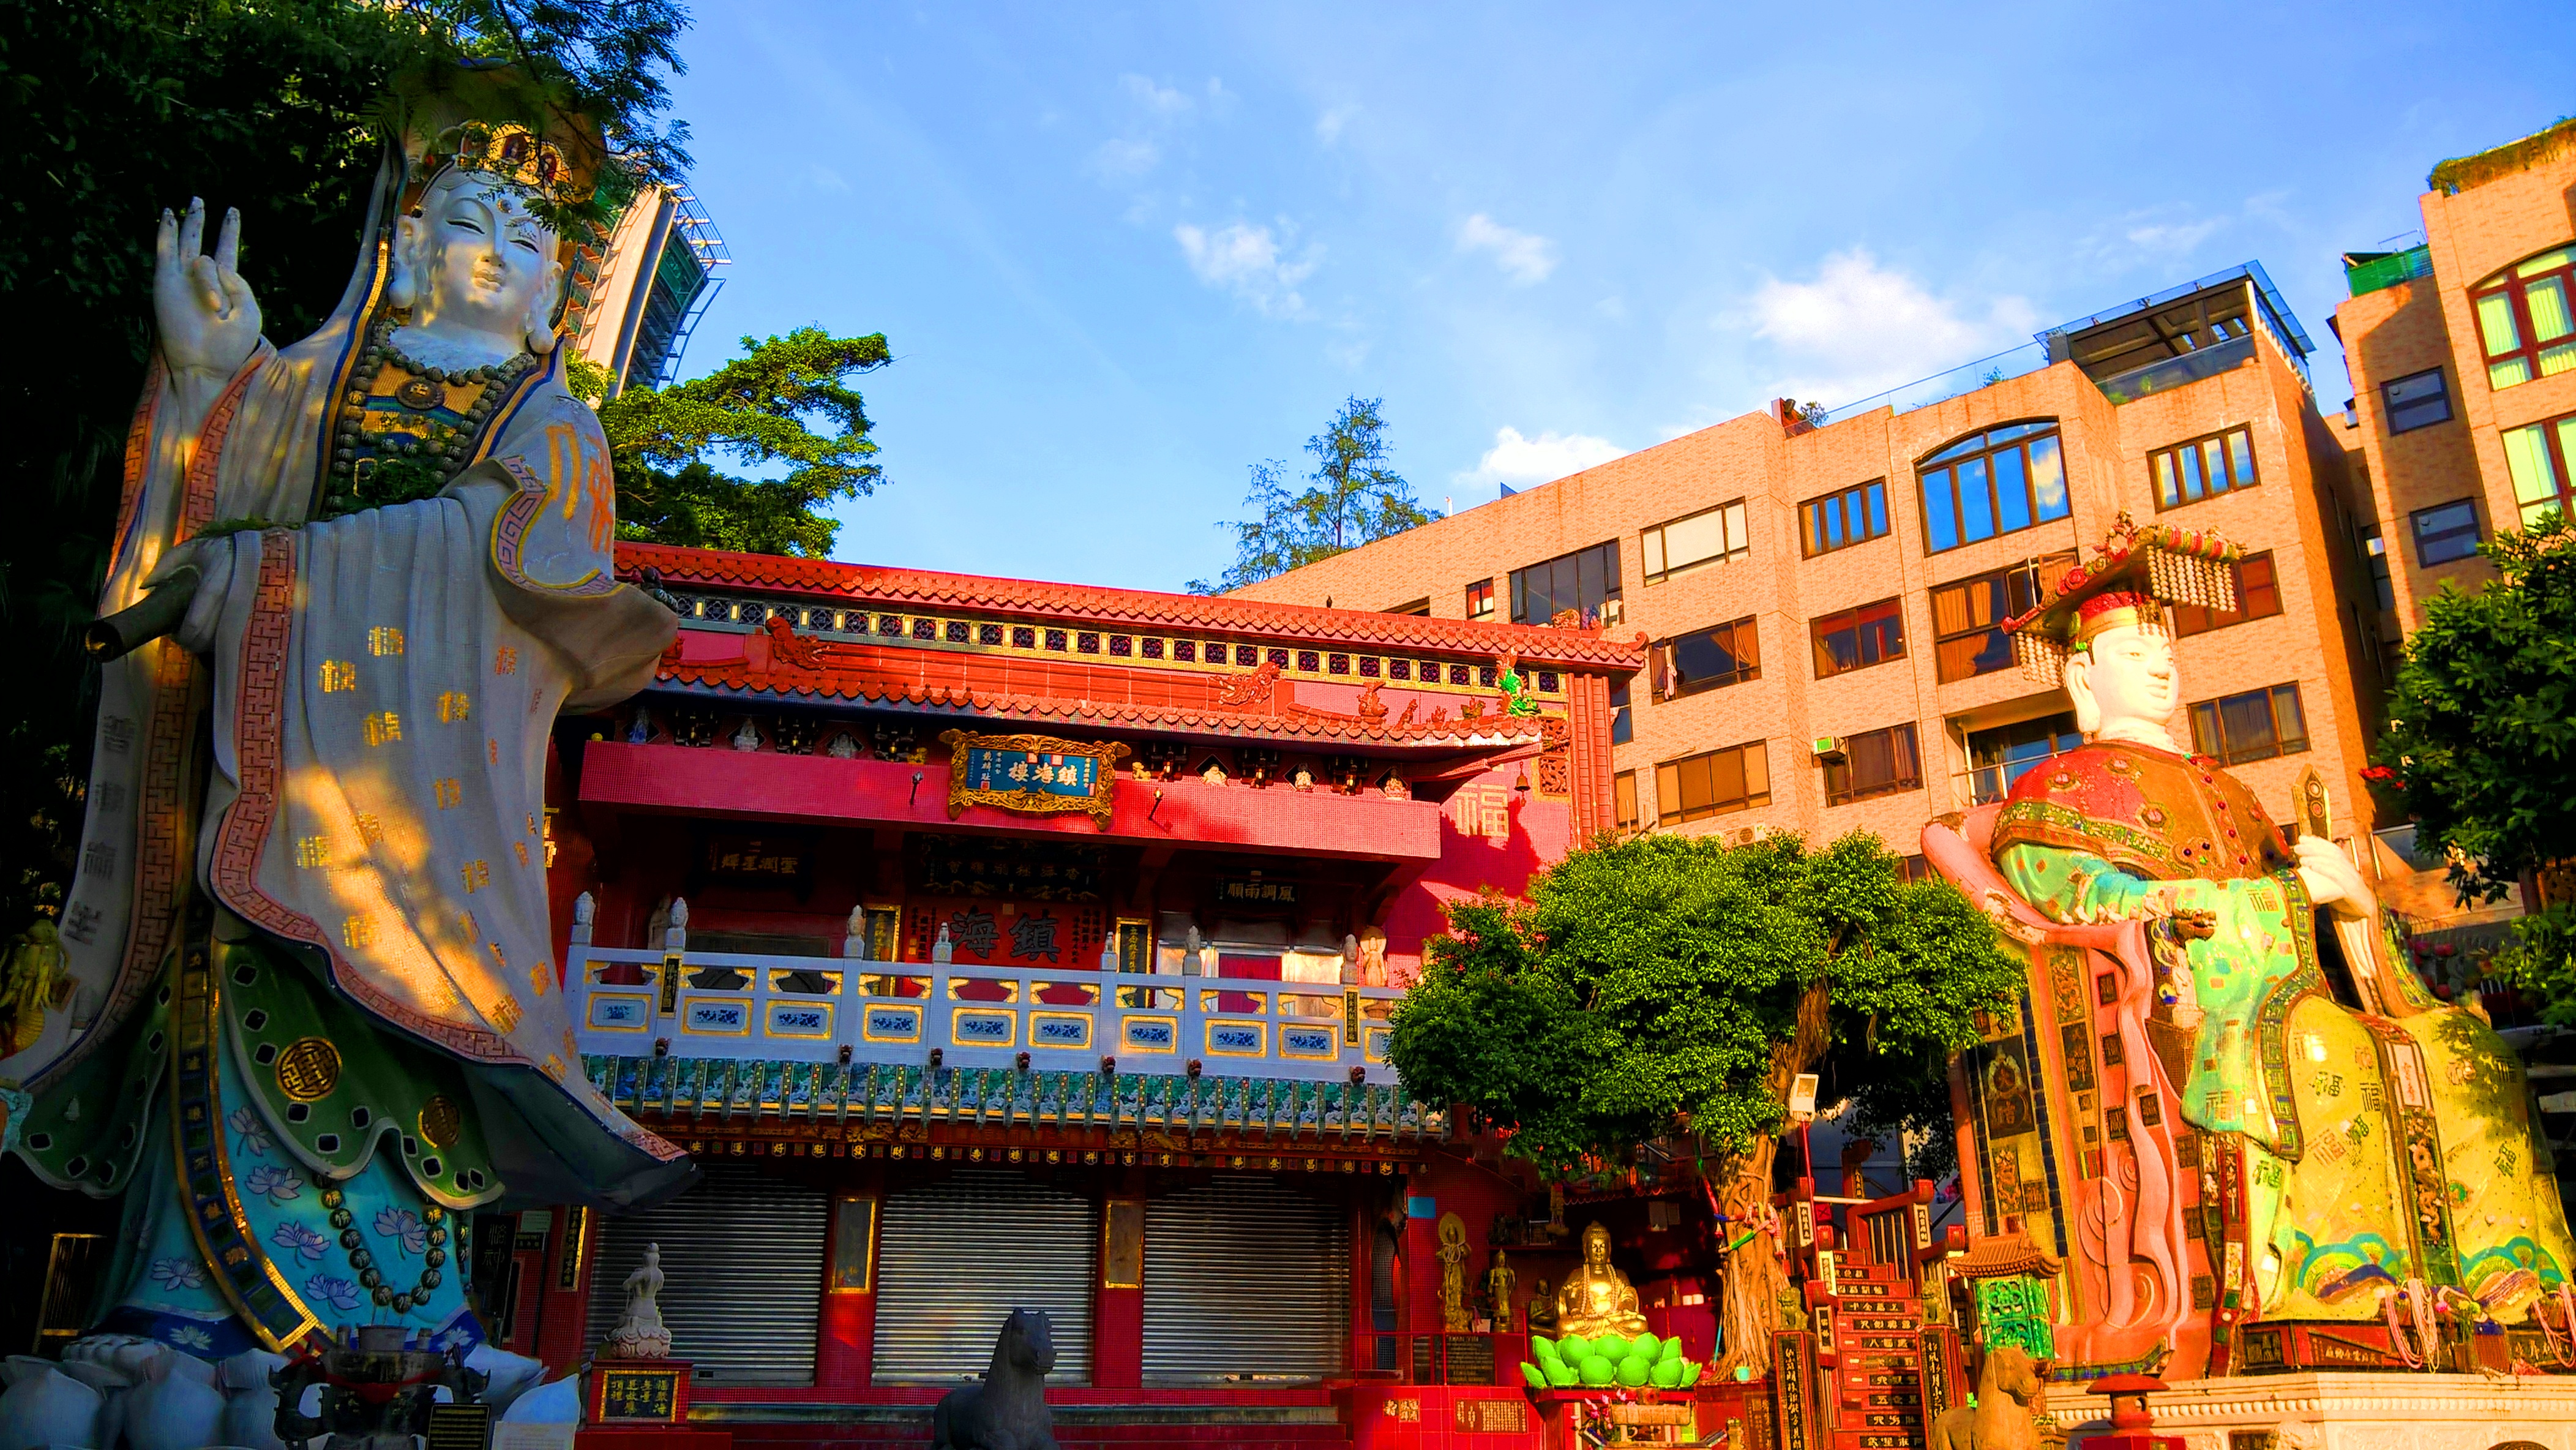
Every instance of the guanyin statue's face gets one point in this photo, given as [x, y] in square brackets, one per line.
[481, 265]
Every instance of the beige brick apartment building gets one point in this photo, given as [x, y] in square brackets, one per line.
[1823, 598]
[2463, 358]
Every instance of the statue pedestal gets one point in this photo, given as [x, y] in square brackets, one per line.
[638, 1394]
[2316, 1411]
[643, 1404]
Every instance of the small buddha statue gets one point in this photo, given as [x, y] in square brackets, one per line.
[1596, 1298]
[1499, 1280]
[1542, 1308]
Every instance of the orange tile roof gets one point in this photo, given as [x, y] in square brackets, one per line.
[1565, 649]
[859, 673]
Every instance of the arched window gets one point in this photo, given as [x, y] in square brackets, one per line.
[1992, 483]
[2524, 321]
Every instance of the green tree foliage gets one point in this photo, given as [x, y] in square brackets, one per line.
[1671, 987]
[757, 411]
[2481, 742]
[119, 108]
[1656, 986]
[1352, 498]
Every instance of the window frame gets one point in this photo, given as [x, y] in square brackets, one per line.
[2211, 619]
[1749, 667]
[1852, 794]
[2415, 531]
[1669, 810]
[2558, 454]
[1625, 814]
[1868, 497]
[1480, 592]
[2165, 466]
[1819, 627]
[1652, 542]
[2209, 725]
[2513, 286]
[2389, 406]
[1610, 591]
[1989, 781]
[1954, 456]
[1622, 717]
[2035, 571]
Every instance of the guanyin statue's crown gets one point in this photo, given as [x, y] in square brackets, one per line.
[2134, 572]
[496, 121]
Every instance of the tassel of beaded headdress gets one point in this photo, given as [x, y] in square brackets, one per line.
[2041, 659]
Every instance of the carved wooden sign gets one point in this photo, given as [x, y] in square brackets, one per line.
[1033, 775]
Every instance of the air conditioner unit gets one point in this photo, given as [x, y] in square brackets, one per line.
[1829, 749]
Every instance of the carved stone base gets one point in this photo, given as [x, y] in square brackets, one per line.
[2396, 1411]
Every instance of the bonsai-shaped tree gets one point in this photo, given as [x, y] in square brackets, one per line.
[1671, 987]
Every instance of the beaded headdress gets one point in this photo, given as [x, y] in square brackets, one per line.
[495, 121]
[2134, 572]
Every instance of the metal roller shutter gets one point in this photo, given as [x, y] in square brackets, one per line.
[954, 1258]
[742, 1274]
[1245, 1276]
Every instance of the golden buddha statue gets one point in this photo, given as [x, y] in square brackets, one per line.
[1596, 1298]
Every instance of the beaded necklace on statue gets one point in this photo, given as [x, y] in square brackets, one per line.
[406, 427]
[363, 1260]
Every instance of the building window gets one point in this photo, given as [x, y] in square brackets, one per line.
[2523, 319]
[2202, 468]
[2258, 596]
[1480, 599]
[2374, 550]
[1968, 617]
[1622, 725]
[1879, 762]
[1718, 783]
[2417, 400]
[1853, 639]
[1422, 607]
[1583, 583]
[1992, 483]
[2445, 532]
[2538, 456]
[1623, 799]
[2256, 725]
[2006, 753]
[1712, 536]
[1838, 520]
[1708, 659]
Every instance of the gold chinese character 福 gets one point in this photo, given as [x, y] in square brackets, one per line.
[384, 639]
[453, 706]
[383, 726]
[338, 675]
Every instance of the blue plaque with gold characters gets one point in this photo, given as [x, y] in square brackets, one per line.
[1032, 775]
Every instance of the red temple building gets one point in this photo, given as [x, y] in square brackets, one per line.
[996, 944]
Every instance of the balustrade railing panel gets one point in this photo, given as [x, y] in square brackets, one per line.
[727, 1005]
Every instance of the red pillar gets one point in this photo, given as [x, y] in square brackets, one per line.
[561, 1296]
[1118, 1295]
[845, 1342]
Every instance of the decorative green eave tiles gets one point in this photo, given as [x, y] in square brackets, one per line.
[723, 1088]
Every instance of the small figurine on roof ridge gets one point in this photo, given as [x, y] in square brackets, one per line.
[1516, 700]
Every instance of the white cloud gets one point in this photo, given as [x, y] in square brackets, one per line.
[1521, 461]
[1121, 159]
[825, 178]
[1328, 126]
[1859, 328]
[1246, 260]
[1522, 256]
[1160, 100]
[2160, 237]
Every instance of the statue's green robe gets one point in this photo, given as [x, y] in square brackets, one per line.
[2384, 1139]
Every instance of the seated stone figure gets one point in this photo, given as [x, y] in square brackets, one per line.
[2330, 1152]
[1597, 1299]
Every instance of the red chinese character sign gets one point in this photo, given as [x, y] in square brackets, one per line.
[1018, 934]
[1032, 775]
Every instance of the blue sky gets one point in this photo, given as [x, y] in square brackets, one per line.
[1120, 254]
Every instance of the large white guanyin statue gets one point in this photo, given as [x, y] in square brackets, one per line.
[307, 1010]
